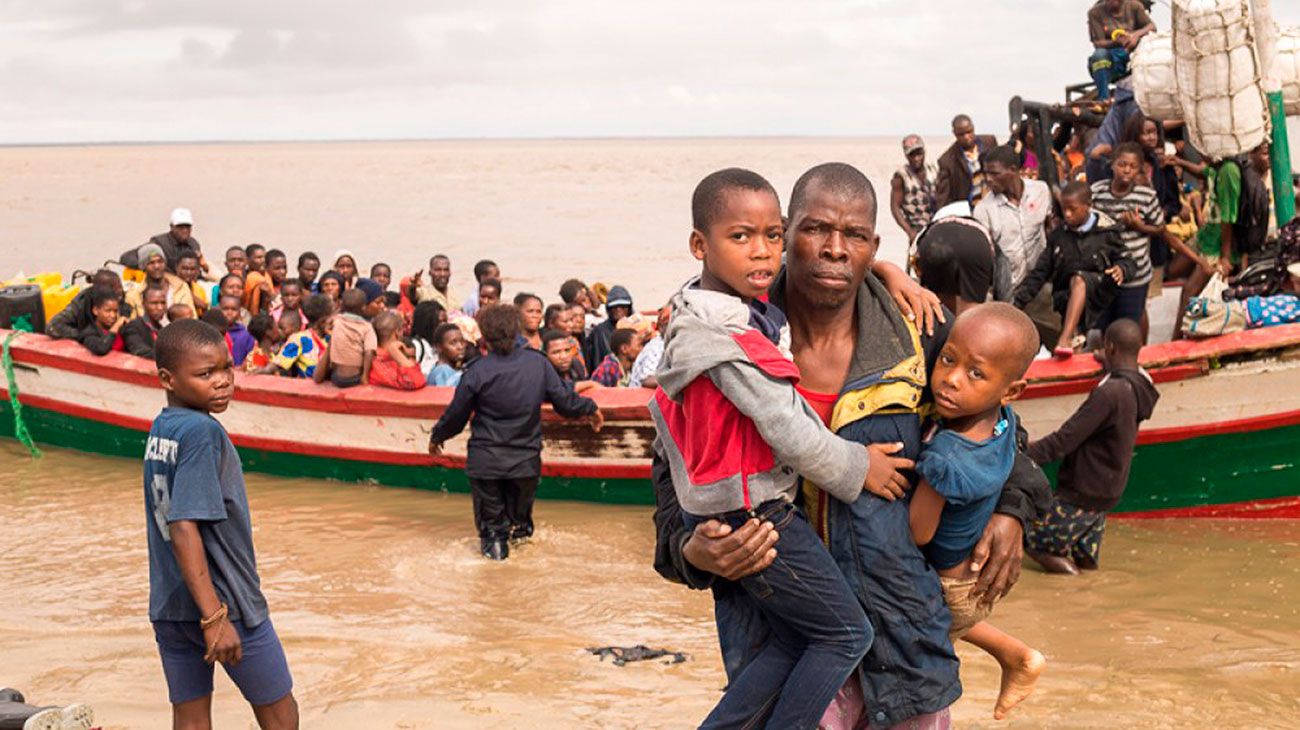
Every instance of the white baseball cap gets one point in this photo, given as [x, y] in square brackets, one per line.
[182, 217]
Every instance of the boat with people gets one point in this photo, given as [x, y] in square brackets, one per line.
[1220, 445]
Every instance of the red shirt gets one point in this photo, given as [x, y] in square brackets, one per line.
[823, 403]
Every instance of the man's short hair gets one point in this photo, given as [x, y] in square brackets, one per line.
[439, 257]
[306, 256]
[962, 119]
[1003, 155]
[491, 284]
[377, 266]
[317, 307]
[840, 178]
[182, 336]
[105, 277]
[483, 267]
[570, 290]
[250, 248]
[620, 339]
[234, 248]
[1129, 148]
[709, 195]
[522, 297]
[500, 324]
[187, 253]
[101, 294]
[274, 254]
[1077, 190]
[550, 336]
[160, 290]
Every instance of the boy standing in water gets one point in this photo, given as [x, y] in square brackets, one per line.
[963, 466]
[1096, 444]
[205, 597]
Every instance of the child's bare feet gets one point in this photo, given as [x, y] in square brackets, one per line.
[1018, 680]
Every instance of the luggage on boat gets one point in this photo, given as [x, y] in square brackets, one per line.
[21, 308]
[57, 298]
[1286, 66]
[1217, 68]
[1154, 85]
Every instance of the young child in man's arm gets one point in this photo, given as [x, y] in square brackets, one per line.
[205, 597]
[963, 466]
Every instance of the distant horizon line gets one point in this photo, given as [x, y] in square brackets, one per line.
[380, 140]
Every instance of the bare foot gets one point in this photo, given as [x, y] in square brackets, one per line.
[1018, 682]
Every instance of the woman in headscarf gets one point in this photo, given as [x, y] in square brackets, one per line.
[346, 266]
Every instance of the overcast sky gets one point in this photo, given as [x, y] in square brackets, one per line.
[126, 70]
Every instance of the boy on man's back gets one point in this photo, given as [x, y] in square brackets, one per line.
[205, 597]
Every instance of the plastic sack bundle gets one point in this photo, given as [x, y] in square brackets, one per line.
[1286, 66]
[1218, 72]
[1154, 85]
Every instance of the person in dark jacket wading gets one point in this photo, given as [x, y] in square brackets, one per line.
[504, 391]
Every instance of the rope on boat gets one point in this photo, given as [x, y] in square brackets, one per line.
[20, 426]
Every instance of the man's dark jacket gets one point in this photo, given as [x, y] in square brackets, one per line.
[171, 249]
[139, 336]
[954, 181]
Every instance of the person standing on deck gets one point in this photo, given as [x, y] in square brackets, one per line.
[439, 287]
[911, 191]
[1015, 213]
[1115, 27]
[179, 237]
[961, 170]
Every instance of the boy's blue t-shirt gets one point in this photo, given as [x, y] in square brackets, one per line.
[444, 375]
[192, 472]
[969, 475]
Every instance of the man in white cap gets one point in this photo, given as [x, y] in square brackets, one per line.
[177, 239]
[911, 191]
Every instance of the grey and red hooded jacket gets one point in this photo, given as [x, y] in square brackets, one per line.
[730, 423]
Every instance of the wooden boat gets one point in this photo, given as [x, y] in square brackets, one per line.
[1223, 441]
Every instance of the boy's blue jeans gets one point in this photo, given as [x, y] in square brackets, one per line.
[1107, 65]
[817, 630]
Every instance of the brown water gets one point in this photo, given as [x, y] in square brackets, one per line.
[391, 620]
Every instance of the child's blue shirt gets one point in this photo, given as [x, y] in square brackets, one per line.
[192, 472]
[969, 476]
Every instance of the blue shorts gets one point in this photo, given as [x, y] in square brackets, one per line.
[1130, 302]
[262, 675]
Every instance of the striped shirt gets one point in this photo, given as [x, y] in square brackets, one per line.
[1137, 245]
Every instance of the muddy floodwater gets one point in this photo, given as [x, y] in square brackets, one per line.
[391, 620]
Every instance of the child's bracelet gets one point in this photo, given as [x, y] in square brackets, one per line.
[216, 617]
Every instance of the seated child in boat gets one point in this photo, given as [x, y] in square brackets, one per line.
[139, 334]
[1095, 448]
[241, 342]
[291, 295]
[558, 346]
[1086, 263]
[187, 270]
[301, 351]
[449, 341]
[737, 436]
[205, 598]
[177, 312]
[288, 323]
[503, 392]
[964, 462]
[394, 365]
[616, 369]
[266, 333]
[352, 343]
[104, 332]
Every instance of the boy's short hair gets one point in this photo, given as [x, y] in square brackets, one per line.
[260, 326]
[482, 268]
[1077, 190]
[500, 326]
[1003, 155]
[294, 282]
[550, 336]
[187, 253]
[1026, 334]
[620, 339]
[99, 295]
[491, 284]
[442, 331]
[707, 200]
[317, 307]
[570, 290]
[105, 277]
[379, 265]
[235, 248]
[306, 256]
[353, 300]
[215, 318]
[250, 248]
[386, 323]
[144, 296]
[1129, 148]
[392, 299]
[291, 315]
[177, 312]
[1125, 335]
[276, 253]
[184, 336]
